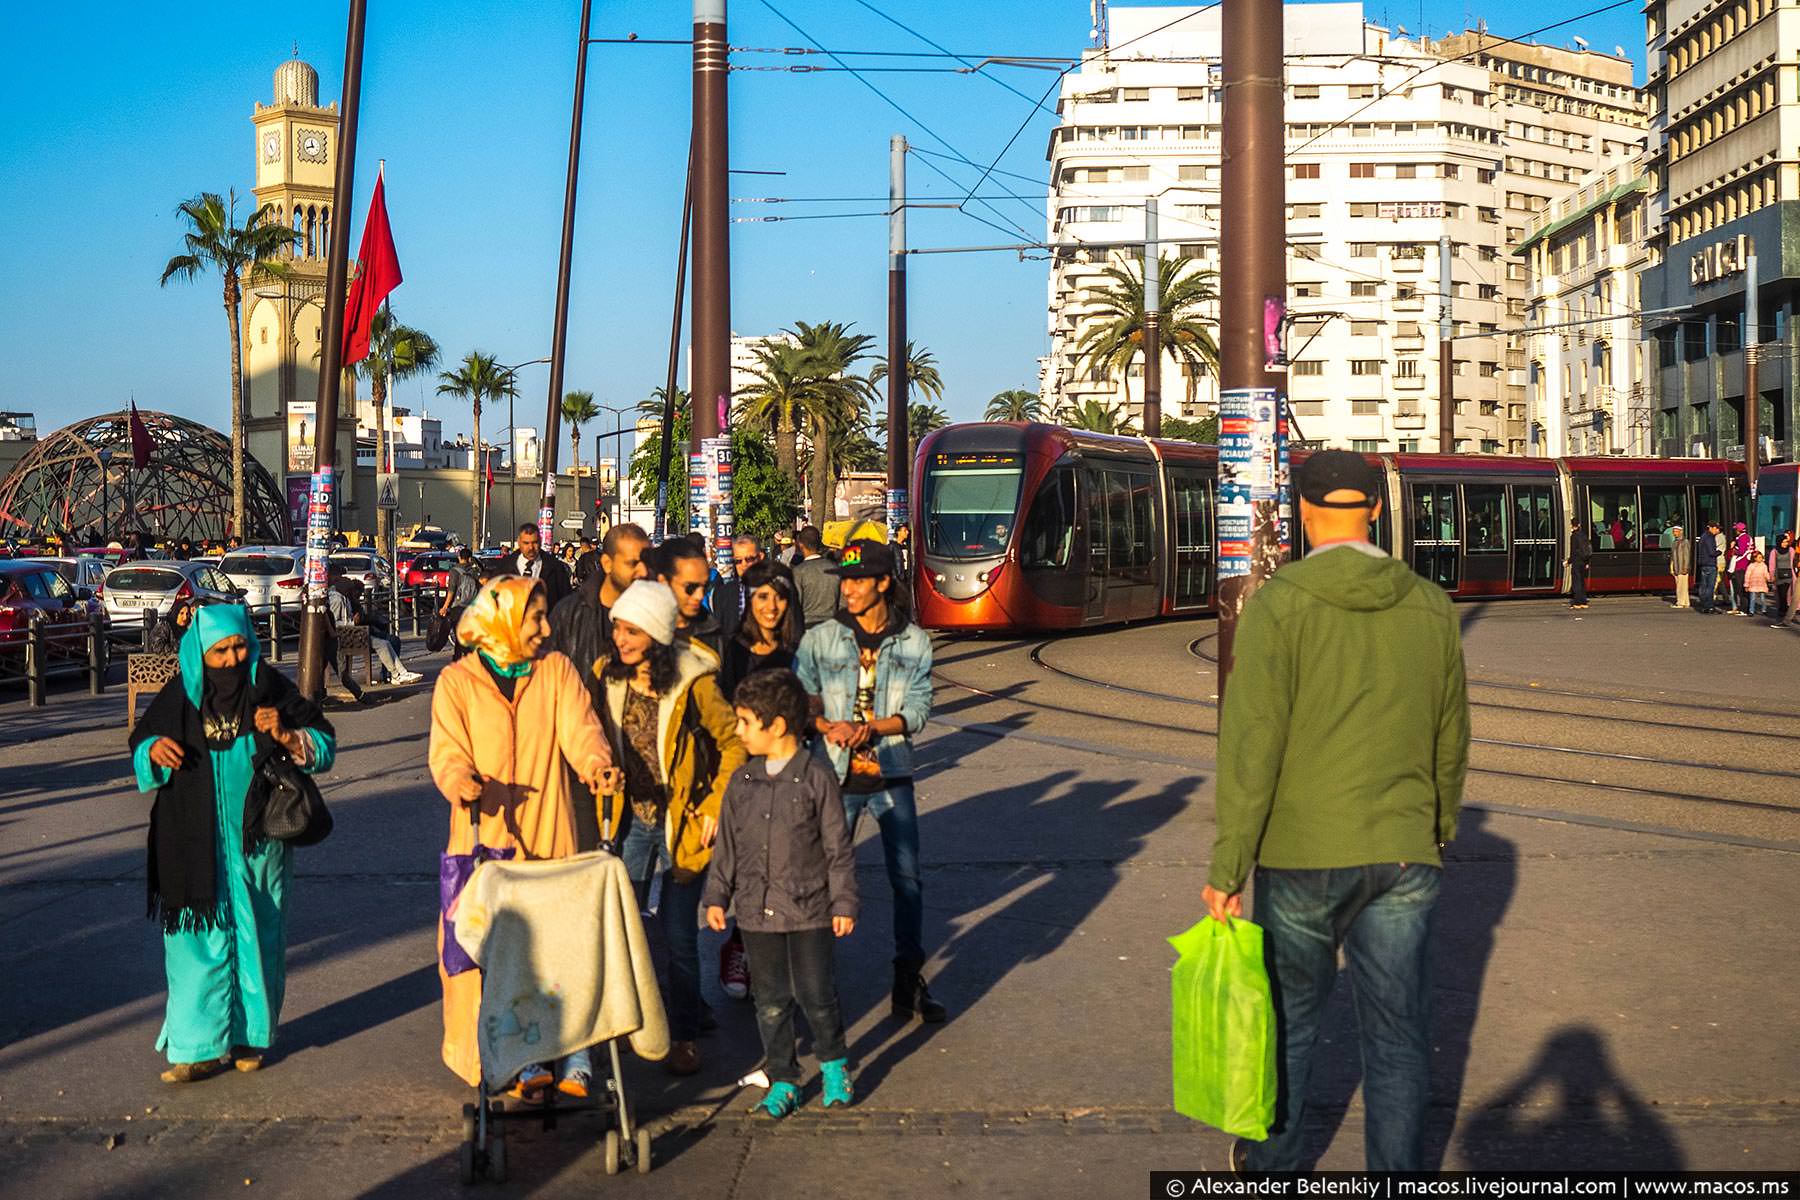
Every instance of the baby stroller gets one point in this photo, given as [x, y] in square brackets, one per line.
[578, 917]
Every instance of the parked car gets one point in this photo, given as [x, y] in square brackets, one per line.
[365, 565]
[265, 572]
[28, 586]
[135, 587]
[430, 570]
[79, 571]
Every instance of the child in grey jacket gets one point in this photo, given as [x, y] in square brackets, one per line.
[784, 862]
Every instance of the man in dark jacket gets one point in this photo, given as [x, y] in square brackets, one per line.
[688, 573]
[728, 599]
[581, 626]
[1708, 554]
[531, 562]
[818, 588]
[1343, 743]
[1581, 550]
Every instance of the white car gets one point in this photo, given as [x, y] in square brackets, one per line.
[133, 588]
[265, 572]
[365, 565]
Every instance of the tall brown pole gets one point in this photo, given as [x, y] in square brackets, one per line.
[1752, 389]
[1253, 272]
[559, 339]
[709, 373]
[315, 631]
[898, 430]
[1446, 351]
[1152, 323]
[668, 413]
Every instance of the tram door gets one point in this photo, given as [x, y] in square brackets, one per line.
[1436, 533]
[1536, 547]
[1093, 487]
[1191, 523]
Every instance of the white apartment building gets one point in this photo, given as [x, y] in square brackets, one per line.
[417, 440]
[1588, 390]
[1379, 168]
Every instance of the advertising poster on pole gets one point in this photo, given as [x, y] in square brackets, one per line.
[1234, 483]
[1253, 479]
[318, 534]
[718, 496]
[697, 507]
[897, 510]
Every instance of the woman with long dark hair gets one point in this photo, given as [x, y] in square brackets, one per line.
[676, 739]
[769, 633]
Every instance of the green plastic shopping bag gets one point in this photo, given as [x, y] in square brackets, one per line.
[1223, 1028]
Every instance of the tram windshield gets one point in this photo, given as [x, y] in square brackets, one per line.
[971, 502]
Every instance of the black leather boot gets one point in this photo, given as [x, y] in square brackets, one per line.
[911, 996]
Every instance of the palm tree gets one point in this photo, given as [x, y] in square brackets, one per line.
[837, 399]
[921, 373]
[784, 375]
[1096, 416]
[396, 352]
[214, 239]
[922, 418]
[1116, 335]
[578, 408]
[1014, 404]
[479, 378]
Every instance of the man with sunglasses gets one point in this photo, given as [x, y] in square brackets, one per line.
[729, 601]
[1343, 742]
[688, 572]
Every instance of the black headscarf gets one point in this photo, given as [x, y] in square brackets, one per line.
[226, 709]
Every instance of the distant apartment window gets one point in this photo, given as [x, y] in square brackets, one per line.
[1486, 253]
[1366, 445]
[1190, 93]
[1365, 366]
[1449, 170]
[1365, 408]
[1307, 366]
[1490, 446]
[1362, 249]
[1095, 212]
[1191, 171]
[1365, 328]
[1192, 250]
[1409, 445]
[1305, 212]
[1405, 292]
[1136, 174]
[1489, 370]
[1365, 287]
[1134, 93]
[1486, 291]
[1362, 91]
[1408, 329]
[1490, 216]
[1406, 171]
[1305, 170]
[1309, 291]
[1484, 175]
[1406, 368]
[1306, 91]
[1362, 170]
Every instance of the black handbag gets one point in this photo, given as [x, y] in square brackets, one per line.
[437, 633]
[284, 804]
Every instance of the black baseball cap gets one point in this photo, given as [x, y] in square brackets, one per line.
[1328, 471]
[864, 558]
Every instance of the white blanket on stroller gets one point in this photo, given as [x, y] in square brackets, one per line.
[564, 961]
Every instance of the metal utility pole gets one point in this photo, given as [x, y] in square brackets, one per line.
[315, 630]
[709, 377]
[1752, 391]
[1152, 323]
[668, 413]
[559, 339]
[1253, 287]
[899, 462]
[1446, 353]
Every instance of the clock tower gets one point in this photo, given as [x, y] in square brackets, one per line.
[282, 319]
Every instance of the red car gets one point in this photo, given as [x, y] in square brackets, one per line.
[28, 587]
[430, 569]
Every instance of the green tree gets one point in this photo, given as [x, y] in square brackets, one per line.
[785, 377]
[921, 373]
[764, 498]
[1014, 404]
[479, 378]
[1096, 416]
[1204, 431]
[922, 418]
[578, 408]
[838, 401]
[1116, 335]
[213, 240]
[396, 352]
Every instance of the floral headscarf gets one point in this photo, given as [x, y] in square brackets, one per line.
[493, 623]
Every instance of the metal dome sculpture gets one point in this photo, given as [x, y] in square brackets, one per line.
[81, 481]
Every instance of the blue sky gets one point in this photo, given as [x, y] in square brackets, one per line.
[115, 112]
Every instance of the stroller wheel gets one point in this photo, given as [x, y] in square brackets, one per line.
[612, 1151]
[465, 1164]
[468, 1123]
[643, 1150]
[496, 1164]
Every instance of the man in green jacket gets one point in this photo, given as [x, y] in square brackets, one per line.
[1342, 749]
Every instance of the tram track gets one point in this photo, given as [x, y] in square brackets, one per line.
[1743, 798]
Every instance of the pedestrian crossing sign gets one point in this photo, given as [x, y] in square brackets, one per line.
[387, 491]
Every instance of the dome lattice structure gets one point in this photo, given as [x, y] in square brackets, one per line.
[296, 83]
[184, 492]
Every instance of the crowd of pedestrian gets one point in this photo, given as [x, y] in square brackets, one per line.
[722, 732]
[1729, 574]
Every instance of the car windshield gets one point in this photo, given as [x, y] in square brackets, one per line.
[257, 564]
[353, 562]
[970, 502]
[142, 579]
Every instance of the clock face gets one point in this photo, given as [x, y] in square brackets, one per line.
[271, 147]
[309, 144]
[312, 145]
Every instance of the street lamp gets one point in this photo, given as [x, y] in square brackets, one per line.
[618, 451]
[512, 473]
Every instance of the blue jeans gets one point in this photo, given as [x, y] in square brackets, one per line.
[643, 847]
[1381, 915]
[900, 846]
[1755, 601]
[1709, 584]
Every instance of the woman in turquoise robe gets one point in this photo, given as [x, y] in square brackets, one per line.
[222, 903]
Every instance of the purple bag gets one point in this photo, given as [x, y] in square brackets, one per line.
[454, 871]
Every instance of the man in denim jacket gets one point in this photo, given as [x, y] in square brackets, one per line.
[869, 671]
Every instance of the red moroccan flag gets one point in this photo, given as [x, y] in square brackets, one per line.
[378, 274]
[141, 443]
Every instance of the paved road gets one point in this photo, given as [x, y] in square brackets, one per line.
[1608, 995]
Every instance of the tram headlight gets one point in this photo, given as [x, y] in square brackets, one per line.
[990, 575]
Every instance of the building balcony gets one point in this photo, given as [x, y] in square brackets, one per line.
[1409, 343]
[1411, 266]
[1411, 383]
[1408, 419]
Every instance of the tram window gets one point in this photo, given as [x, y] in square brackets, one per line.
[1049, 529]
[1143, 520]
[970, 503]
[1709, 509]
[1484, 509]
[1664, 508]
[1118, 522]
[1774, 514]
[1613, 517]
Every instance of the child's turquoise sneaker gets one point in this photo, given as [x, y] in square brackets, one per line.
[835, 1078]
[783, 1098]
